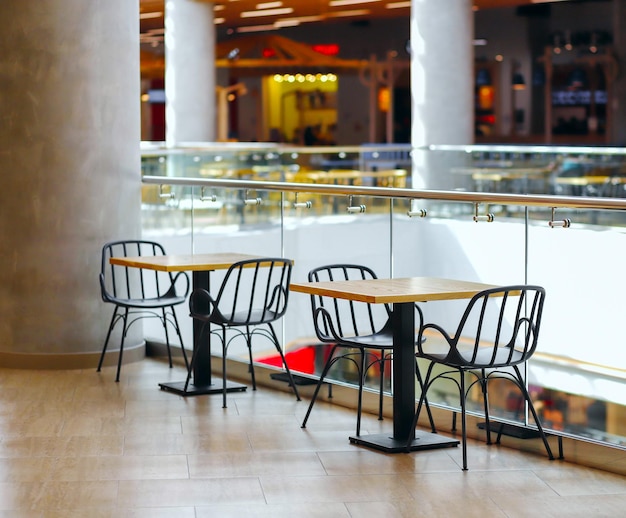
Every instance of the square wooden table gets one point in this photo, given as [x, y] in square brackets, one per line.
[201, 265]
[402, 294]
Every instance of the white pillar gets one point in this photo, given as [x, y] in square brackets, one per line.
[442, 71]
[189, 72]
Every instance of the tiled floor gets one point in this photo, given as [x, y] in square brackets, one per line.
[77, 444]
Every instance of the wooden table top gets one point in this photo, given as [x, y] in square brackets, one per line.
[190, 262]
[378, 291]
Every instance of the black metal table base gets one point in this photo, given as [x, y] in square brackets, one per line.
[423, 441]
[178, 387]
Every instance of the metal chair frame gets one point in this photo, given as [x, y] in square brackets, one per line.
[490, 352]
[132, 298]
[367, 342]
[242, 307]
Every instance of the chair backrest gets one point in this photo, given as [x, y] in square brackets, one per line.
[123, 283]
[254, 291]
[499, 327]
[333, 317]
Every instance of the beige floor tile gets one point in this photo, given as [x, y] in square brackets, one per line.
[568, 481]
[255, 464]
[274, 511]
[186, 493]
[476, 485]
[354, 488]
[361, 461]
[179, 444]
[120, 426]
[299, 440]
[598, 506]
[235, 423]
[151, 512]
[80, 446]
[26, 469]
[37, 496]
[427, 508]
[121, 468]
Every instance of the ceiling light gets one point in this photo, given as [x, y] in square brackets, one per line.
[286, 23]
[269, 5]
[339, 3]
[267, 12]
[218, 21]
[146, 16]
[356, 12]
[257, 28]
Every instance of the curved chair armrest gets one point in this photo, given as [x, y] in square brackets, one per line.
[201, 298]
[421, 339]
[328, 324]
[274, 302]
[187, 283]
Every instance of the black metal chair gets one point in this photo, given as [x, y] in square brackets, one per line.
[253, 294]
[361, 329]
[498, 330]
[138, 293]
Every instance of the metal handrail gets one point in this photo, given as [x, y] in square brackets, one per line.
[528, 200]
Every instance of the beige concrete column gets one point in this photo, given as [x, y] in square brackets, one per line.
[70, 165]
[442, 71]
[189, 72]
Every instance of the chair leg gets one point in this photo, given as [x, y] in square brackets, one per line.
[224, 367]
[320, 382]
[483, 386]
[422, 399]
[167, 337]
[428, 411]
[382, 384]
[251, 364]
[106, 342]
[463, 420]
[284, 360]
[180, 338]
[534, 412]
[124, 330]
[362, 373]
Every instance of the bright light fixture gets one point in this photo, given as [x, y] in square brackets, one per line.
[339, 3]
[257, 28]
[398, 5]
[147, 16]
[267, 12]
[269, 5]
[356, 12]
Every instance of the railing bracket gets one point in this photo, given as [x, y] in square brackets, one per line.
[355, 209]
[562, 223]
[165, 195]
[301, 204]
[413, 211]
[485, 217]
[251, 201]
[203, 197]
